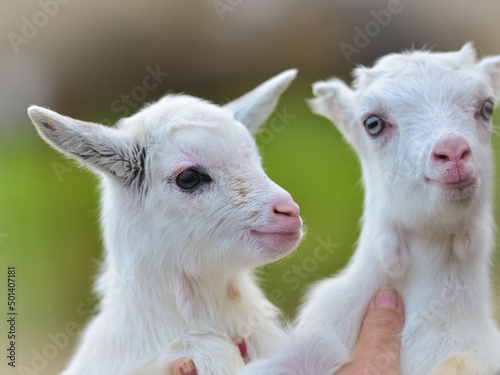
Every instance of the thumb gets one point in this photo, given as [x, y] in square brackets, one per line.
[377, 349]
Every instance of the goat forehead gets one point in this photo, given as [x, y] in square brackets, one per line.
[204, 129]
[220, 137]
[210, 119]
[422, 59]
[207, 147]
[425, 89]
[175, 112]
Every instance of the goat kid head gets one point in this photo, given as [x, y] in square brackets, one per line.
[421, 124]
[183, 183]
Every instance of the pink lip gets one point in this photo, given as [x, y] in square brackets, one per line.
[279, 237]
[452, 185]
[276, 234]
[282, 241]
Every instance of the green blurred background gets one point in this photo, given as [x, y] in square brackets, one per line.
[88, 59]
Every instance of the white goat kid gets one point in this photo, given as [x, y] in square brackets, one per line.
[187, 213]
[421, 124]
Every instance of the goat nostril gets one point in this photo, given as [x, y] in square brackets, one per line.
[452, 150]
[465, 153]
[290, 209]
[441, 157]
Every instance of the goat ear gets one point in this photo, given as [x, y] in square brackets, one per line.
[491, 67]
[335, 101]
[95, 146]
[468, 53]
[465, 56]
[253, 108]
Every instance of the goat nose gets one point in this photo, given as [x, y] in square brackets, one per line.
[287, 208]
[456, 149]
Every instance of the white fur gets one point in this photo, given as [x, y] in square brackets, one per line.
[177, 278]
[433, 246]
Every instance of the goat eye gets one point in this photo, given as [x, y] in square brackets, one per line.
[487, 109]
[190, 179]
[374, 125]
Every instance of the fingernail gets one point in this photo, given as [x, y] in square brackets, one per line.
[187, 367]
[387, 298]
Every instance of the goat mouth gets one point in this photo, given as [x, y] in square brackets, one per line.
[469, 182]
[458, 190]
[278, 240]
[285, 234]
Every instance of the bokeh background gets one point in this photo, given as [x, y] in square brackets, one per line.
[88, 59]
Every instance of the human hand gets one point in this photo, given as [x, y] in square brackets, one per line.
[377, 348]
